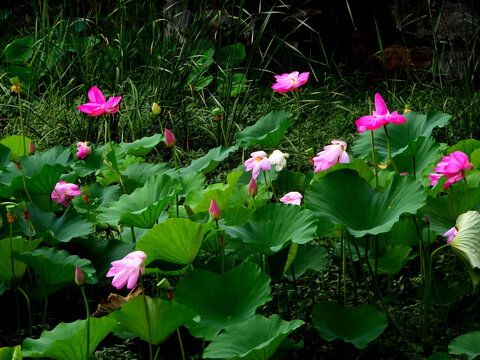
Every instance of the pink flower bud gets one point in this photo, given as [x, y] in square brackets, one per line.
[214, 210]
[169, 138]
[79, 277]
[252, 188]
[32, 149]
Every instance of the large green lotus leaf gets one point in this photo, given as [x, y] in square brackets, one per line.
[231, 86]
[444, 210]
[92, 163]
[418, 156]
[343, 197]
[274, 226]
[67, 341]
[57, 266]
[267, 131]
[62, 229]
[99, 196]
[466, 344]
[400, 135]
[103, 252]
[18, 244]
[210, 161]
[359, 165]
[57, 155]
[15, 144]
[466, 146]
[143, 207]
[4, 156]
[20, 50]
[403, 232]
[392, 259]
[467, 242]
[356, 325]
[191, 182]
[164, 317]
[231, 56]
[14, 353]
[175, 240]
[255, 339]
[138, 173]
[309, 257]
[222, 300]
[142, 146]
[199, 200]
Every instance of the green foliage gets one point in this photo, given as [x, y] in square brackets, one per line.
[356, 325]
[466, 344]
[256, 338]
[222, 300]
[164, 318]
[67, 340]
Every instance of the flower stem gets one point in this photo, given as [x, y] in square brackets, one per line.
[299, 145]
[266, 185]
[466, 192]
[390, 160]
[426, 298]
[29, 309]
[21, 123]
[87, 321]
[13, 275]
[374, 160]
[181, 344]
[148, 318]
[271, 185]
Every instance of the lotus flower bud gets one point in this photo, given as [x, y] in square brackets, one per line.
[32, 149]
[252, 188]
[169, 138]
[214, 210]
[156, 109]
[10, 213]
[427, 220]
[79, 277]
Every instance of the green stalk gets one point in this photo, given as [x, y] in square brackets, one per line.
[390, 160]
[148, 318]
[29, 309]
[271, 185]
[266, 185]
[374, 160]
[299, 145]
[87, 321]
[344, 266]
[222, 250]
[426, 299]
[13, 275]
[466, 191]
[21, 123]
[176, 167]
[181, 344]
[107, 130]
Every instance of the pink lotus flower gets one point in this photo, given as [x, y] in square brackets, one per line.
[331, 155]
[83, 150]
[450, 234]
[63, 192]
[381, 116]
[288, 82]
[169, 138]
[257, 161]
[32, 149]
[452, 167]
[98, 105]
[214, 210]
[127, 270]
[292, 197]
